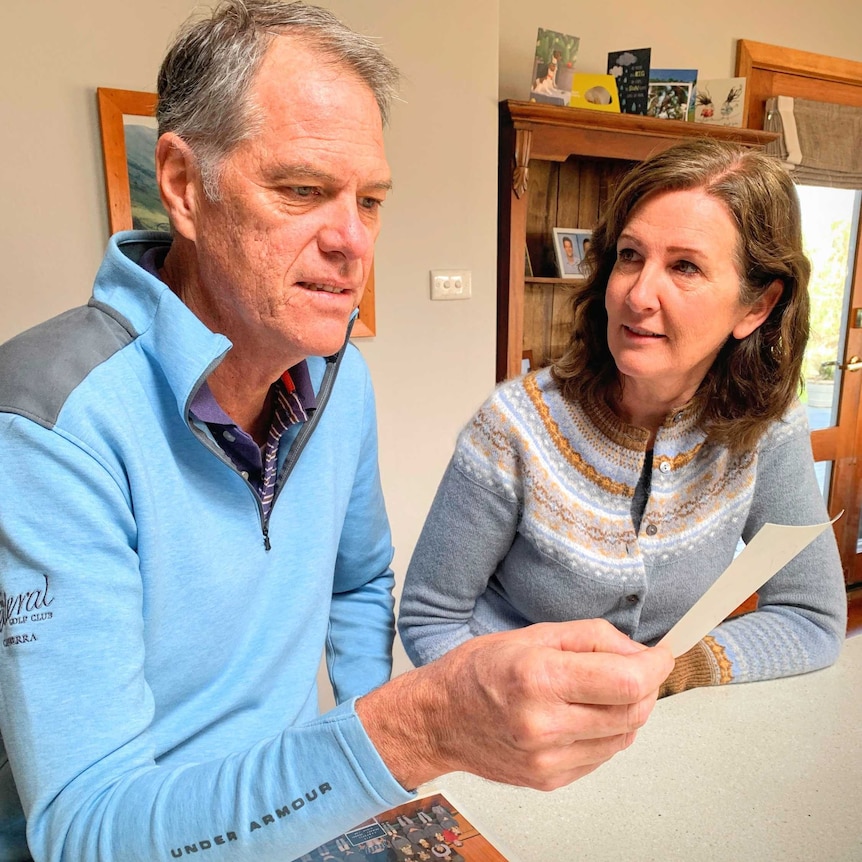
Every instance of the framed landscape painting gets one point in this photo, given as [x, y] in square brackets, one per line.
[128, 127]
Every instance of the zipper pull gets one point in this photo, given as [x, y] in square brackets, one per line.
[266, 545]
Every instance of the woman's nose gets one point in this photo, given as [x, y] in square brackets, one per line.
[643, 293]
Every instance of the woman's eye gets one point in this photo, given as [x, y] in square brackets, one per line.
[626, 254]
[687, 267]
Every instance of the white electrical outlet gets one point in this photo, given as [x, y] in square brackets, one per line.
[450, 284]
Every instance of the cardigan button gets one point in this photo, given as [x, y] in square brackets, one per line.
[664, 466]
[651, 529]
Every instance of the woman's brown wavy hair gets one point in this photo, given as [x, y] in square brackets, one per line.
[753, 381]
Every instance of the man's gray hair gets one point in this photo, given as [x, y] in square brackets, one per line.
[209, 69]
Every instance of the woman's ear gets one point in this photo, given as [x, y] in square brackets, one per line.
[178, 177]
[758, 312]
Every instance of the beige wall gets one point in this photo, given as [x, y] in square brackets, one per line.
[432, 361]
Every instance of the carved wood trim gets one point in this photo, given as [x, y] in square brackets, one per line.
[521, 174]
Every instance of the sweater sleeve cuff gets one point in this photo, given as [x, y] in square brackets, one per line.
[704, 664]
[361, 751]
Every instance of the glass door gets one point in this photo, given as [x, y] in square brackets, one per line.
[833, 367]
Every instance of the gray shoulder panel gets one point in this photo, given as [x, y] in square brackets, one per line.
[40, 367]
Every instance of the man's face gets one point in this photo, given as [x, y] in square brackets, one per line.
[284, 253]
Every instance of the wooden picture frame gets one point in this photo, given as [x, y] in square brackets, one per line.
[114, 106]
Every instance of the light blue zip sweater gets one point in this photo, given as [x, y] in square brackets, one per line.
[158, 664]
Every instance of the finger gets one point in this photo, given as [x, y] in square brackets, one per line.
[531, 729]
[607, 678]
[553, 767]
[595, 635]
[592, 754]
[582, 722]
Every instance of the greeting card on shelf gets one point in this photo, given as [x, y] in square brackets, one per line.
[595, 92]
[554, 67]
[630, 68]
[720, 101]
[672, 93]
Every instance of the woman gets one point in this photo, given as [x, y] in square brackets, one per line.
[618, 482]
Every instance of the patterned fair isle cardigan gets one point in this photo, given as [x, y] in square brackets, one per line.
[533, 522]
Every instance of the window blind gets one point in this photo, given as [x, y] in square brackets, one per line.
[820, 142]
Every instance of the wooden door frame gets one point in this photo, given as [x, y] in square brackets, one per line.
[771, 70]
[767, 67]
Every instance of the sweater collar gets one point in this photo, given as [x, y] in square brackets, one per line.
[681, 423]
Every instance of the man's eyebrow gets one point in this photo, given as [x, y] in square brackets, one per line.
[301, 171]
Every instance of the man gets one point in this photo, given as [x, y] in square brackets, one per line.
[191, 506]
[570, 262]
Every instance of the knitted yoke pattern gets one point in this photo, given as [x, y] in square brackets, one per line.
[573, 470]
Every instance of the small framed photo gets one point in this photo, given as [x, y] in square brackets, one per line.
[570, 245]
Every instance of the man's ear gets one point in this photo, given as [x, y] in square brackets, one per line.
[758, 312]
[178, 177]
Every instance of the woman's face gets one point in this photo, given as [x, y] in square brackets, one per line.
[673, 294]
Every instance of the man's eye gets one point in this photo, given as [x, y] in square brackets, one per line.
[303, 191]
[370, 203]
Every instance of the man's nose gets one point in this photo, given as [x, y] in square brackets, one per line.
[347, 230]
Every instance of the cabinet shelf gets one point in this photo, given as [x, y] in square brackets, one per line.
[563, 282]
[557, 168]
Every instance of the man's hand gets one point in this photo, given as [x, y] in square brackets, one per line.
[540, 706]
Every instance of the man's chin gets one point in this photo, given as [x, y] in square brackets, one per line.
[330, 342]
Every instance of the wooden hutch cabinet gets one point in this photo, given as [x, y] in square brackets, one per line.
[557, 167]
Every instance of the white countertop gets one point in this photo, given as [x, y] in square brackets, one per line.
[767, 772]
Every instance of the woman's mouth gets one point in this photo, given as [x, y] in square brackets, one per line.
[644, 333]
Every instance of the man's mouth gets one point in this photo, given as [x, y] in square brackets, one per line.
[325, 288]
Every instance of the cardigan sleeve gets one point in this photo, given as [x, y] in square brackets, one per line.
[801, 617]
